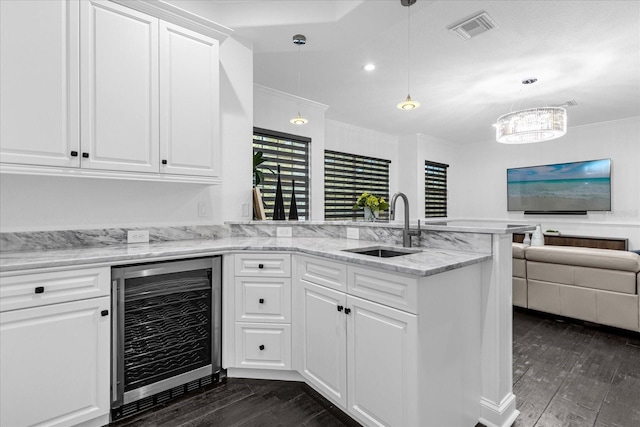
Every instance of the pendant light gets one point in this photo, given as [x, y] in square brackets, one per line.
[299, 40]
[408, 104]
[532, 124]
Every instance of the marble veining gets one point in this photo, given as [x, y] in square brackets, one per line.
[67, 239]
[424, 263]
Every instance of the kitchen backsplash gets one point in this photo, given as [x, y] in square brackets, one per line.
[378, 232]
[67, 239]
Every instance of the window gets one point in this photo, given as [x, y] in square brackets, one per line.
[435, 189]
[291, 152]
[347, 176]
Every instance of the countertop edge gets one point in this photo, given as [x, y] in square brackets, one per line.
[138, 253]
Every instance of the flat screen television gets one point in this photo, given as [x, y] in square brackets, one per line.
[562, 188]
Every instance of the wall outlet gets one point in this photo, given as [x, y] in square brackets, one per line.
[202, 210]
[284, 232]
[138, 236]
[353, 233]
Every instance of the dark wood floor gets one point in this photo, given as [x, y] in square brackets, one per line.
[245, 402]
[564, 374]
[567, 373]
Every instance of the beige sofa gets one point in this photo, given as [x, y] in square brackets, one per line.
[596, 285]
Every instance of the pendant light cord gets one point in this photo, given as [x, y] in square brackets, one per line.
[409, 49]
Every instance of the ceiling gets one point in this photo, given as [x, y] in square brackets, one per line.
[582, 51]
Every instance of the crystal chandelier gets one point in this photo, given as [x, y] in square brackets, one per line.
[531, 125]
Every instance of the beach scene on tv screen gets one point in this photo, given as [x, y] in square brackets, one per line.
[578, 186]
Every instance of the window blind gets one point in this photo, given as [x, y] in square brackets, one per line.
[435, 189]
[347, 176]
[291, 152]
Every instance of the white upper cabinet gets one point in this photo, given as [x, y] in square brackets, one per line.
[189, 102]
[119, 87]
[95, 88]
[39, 65]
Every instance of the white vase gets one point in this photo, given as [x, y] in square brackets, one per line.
[527, 239]
[537, 239]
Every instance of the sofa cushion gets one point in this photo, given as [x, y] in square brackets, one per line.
[586, 257]
[617, 310]
[517, 250]
[553, 273]
[519, 292]
[607, 280]
[519, 268]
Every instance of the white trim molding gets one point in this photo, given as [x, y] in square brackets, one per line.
[178, 16]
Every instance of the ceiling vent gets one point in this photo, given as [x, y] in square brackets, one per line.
[566, 104]
[474, 26]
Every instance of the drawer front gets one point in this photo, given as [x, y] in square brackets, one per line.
[393, 290]
[33, 290]
[263, 299]
[322, 272]
[263, 346]
[263, 265]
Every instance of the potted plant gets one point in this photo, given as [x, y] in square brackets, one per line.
[371, 204]
[258, 175]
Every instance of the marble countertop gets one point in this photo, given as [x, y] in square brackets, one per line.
[425, 262]
[468, 226]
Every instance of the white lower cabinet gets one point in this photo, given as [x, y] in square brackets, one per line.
[381, 364]
[257, 334]
[55, 364]
[360, 354]
[55, 331]
[323, 346]
[390, 349]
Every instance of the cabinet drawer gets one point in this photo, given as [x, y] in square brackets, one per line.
[269, 265]
[321, 272]
[263, 299]
[263, 346]
[393, 290]
[32, 290]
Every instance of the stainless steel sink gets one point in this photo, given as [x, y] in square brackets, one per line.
[383, 251]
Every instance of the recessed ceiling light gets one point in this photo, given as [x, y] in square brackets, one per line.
[369, 67]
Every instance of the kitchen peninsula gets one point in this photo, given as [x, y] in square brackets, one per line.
[451, 301]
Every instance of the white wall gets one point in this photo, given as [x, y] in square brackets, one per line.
[480, 192]
[273, 109]
[30, 203]
[351, 139]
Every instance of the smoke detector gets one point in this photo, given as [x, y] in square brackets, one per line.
[474, 26]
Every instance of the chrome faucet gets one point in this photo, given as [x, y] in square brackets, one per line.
[406, 232]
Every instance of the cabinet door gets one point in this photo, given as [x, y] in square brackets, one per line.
[382, 365]
[189, 102]
[55, 364]
[39, 82]
[119, 87]
[323, 346]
